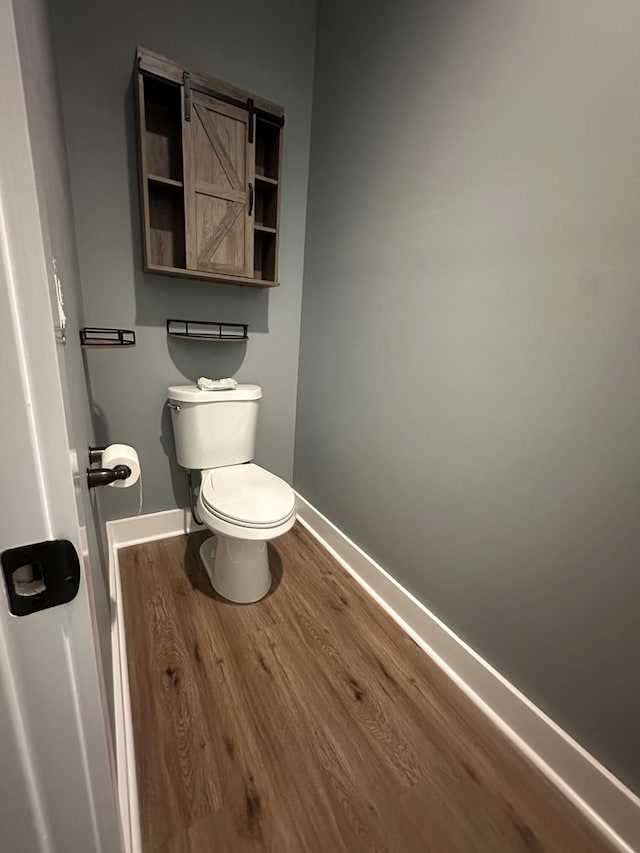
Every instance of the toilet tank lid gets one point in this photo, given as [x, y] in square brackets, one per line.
[192, 394]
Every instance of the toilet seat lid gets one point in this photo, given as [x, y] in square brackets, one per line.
[247, 495]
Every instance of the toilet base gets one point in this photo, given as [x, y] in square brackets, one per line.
[238, 568]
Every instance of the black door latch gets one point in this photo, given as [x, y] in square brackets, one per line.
[40, 575]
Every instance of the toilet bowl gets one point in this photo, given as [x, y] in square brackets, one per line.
[242, 504]
[245, 507]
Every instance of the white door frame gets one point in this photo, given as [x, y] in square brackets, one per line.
[57, 787]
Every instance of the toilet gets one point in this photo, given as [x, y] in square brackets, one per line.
[243, 505]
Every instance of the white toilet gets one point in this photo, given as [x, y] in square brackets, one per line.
[241, 503]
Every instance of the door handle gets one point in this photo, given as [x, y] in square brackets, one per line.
[251, 195]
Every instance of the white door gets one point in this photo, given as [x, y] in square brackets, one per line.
[57, 789]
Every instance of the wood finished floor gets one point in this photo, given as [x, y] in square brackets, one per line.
[311, 723]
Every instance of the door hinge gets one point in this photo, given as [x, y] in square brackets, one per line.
[252, 112]
[61, 328]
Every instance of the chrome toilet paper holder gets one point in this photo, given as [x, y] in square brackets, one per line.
[104, 476]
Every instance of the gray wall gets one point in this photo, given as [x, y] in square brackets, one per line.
[468, 398]
[264, 47]
[48, 150]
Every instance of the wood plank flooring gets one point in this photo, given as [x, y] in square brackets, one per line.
[310, 723]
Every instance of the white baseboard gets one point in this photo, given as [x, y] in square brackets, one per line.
[146, 528]
[120, 534]
[605, 801]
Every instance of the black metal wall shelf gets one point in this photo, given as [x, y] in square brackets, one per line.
[199, 330]
[96, 337]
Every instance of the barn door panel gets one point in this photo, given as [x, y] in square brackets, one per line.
[219, 166]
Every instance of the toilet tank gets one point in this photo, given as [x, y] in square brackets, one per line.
[214, 428]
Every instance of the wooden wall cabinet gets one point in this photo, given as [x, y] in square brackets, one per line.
[210, 163]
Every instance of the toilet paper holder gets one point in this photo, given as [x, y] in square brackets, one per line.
[104, 476]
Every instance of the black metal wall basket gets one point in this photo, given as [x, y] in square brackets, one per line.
[103, 338]
[199, 330]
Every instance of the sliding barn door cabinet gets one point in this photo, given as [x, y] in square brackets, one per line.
[210, 163]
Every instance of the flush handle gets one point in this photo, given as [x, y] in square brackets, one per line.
[174, 406]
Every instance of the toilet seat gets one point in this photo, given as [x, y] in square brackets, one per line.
[247, 496]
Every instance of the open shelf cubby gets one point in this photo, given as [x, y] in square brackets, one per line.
[166, 225]
[163, 158]
[266, 205]
[163, 129]
[264, 255]
[267, 150]
[266, 218]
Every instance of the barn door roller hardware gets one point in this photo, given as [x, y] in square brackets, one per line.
[186, 82]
